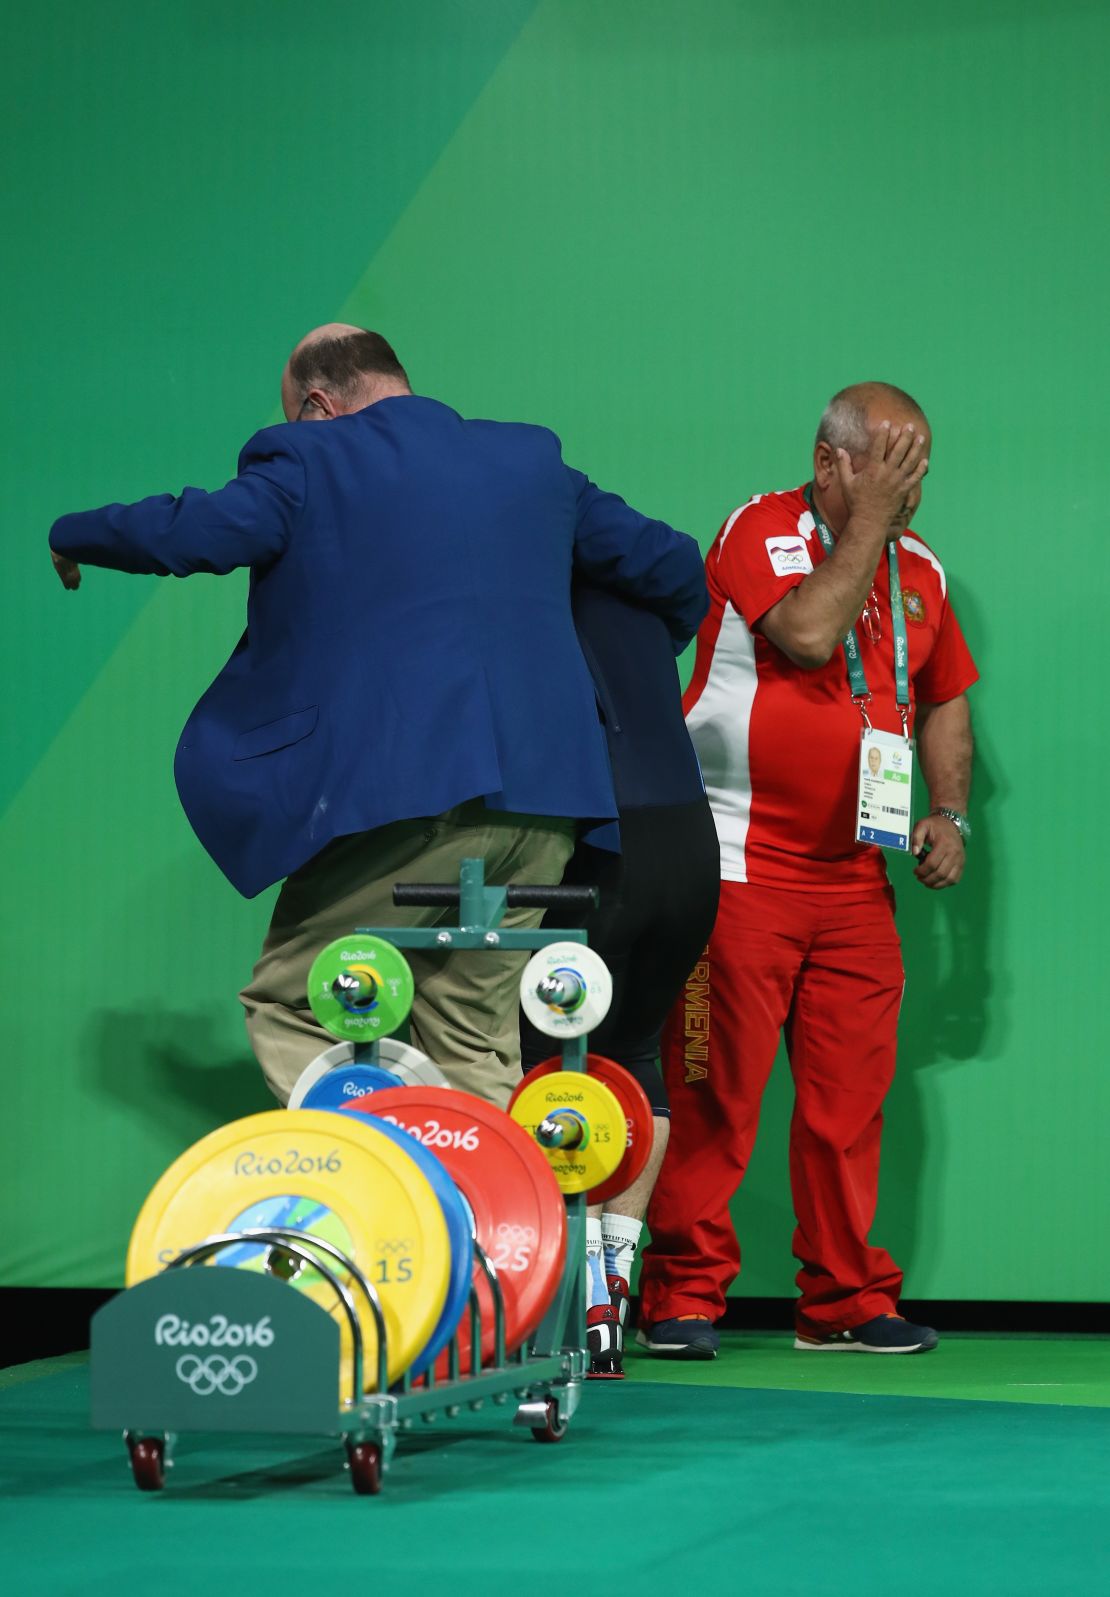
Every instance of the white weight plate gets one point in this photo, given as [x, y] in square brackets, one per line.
[414, 1068]
[566, 989]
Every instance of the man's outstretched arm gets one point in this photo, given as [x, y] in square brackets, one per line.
[246, 523]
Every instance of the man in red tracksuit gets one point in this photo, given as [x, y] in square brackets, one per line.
[829, 643]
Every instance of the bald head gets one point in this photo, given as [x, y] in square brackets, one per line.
[851, 416]
[337, 369]
[849, 421]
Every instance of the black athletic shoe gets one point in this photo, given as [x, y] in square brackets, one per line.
[886, 1333]
[691, 1336]
[605, 1344]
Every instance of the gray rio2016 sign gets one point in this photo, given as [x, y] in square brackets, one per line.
[213, 1348]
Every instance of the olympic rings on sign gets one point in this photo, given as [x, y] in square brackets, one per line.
[216, 1374]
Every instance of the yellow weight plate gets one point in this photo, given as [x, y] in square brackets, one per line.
[324, 1174]
[585, 1114]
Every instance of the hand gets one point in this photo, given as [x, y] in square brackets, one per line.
[893, 466]
[68, 570]
[944, 864]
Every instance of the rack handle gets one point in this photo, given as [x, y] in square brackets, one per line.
[447, 893]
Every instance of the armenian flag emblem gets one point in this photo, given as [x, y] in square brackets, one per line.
[914, 606]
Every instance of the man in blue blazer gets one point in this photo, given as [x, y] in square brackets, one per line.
[408, 690]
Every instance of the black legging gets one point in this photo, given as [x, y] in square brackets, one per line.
[658, 904]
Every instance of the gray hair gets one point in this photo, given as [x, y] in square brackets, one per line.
[843, 423]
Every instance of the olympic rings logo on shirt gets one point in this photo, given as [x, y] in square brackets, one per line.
[216, 1374]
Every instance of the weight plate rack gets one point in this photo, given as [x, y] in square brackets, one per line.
[233, 1350]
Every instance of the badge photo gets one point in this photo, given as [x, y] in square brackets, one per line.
[884, 803]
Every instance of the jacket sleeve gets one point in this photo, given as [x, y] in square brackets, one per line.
[246, 523]
[617, 548]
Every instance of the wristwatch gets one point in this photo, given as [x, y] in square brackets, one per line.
[960, 822]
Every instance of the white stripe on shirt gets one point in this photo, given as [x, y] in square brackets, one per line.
[719, 725]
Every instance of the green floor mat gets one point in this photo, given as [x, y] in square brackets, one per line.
[736, 1490]
[1020, 1369]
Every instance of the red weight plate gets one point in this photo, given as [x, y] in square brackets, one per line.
[637, 1112]
[519, 1214]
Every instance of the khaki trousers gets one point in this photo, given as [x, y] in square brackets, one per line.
[465, 1014]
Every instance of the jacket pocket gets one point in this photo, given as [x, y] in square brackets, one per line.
[276, 734]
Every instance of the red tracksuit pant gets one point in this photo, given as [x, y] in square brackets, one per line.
[826, 969]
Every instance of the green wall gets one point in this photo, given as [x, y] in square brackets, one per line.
[669, 231]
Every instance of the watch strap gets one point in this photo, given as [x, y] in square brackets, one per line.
[960, 822]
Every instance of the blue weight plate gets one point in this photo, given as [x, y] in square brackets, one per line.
[459, 1234]
[336, 1089]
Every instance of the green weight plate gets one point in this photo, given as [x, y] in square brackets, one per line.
[360, 988]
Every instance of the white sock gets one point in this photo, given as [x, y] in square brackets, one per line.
[596, 1289]
[620, 1237]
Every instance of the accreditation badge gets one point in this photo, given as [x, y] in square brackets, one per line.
[885, 790]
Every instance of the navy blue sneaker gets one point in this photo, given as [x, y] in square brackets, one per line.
[691, 1336]
[886, 1333]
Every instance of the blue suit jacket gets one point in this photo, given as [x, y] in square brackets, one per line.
[409, 642]
[631, 659]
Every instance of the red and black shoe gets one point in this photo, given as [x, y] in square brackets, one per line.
[618, 1297]
[604, 1343]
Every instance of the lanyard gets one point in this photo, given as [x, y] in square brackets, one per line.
[857, 677]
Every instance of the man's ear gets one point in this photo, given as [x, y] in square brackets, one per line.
[824, 464]
[324, 403]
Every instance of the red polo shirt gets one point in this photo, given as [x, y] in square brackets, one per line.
[779, 745]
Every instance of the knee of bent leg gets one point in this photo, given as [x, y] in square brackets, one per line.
[650, 1077]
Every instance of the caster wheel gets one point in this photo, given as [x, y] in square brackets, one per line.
[554, 1429]
[148, 1463]
[365, 1459]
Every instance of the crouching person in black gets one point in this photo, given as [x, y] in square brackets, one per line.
[657, 907]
